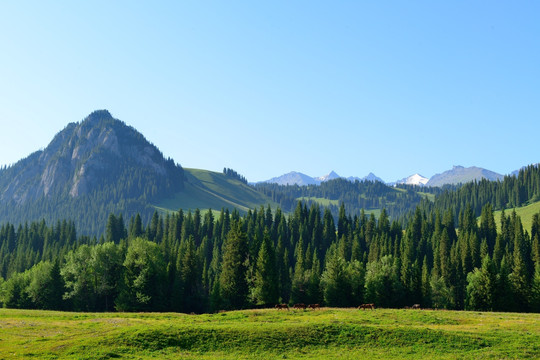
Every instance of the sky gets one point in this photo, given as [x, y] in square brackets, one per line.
[265, 88]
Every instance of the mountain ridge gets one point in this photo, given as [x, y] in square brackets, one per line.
[300, 179]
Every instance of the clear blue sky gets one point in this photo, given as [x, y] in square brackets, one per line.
[390, 87]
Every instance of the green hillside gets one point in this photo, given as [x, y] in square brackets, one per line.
[205, 189]
[270, 334]
[525, 212]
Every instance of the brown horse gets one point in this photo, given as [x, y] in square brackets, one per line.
[367, 306]
[314, 306]
[282, 306]
[300, 306]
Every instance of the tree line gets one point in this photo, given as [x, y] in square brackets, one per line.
[355, 196]
[201, 262]
[233, 174]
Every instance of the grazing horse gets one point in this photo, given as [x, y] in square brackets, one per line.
[416, 306]
[367, 306]
[314, 306]
[282, 306]
[300, 306]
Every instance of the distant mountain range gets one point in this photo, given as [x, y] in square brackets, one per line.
[297, 178]
[457, 175]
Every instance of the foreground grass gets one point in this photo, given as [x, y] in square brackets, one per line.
[269, 334]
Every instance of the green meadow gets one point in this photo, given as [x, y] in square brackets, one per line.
[270, 334]
[525, 212]
[212, 190]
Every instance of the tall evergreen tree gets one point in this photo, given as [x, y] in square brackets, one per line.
[266, 290]
[233, 284]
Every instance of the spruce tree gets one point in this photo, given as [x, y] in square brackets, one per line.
[266, 290]
[334, 281]
[233, 285]
[519, 278]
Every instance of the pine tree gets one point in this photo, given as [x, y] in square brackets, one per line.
[299, 281]
[503, 291]
[313, 289]
[266, 290]
[334, 281]
[137, 229]
[488, 228]
[519, 278]
[191, 278]
[233, 284]
[56, 286]
[426, 288]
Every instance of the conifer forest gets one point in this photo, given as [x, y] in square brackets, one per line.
[200, 262]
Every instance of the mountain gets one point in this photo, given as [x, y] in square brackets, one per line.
[461, 175]
[369, 177]
[296, 178]
[293, 178]
[89, 170]
[331, 176]
[415, 179]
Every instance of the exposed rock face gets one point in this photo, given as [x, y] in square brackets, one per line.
[78, 158]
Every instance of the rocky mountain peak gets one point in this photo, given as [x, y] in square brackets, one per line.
[81, 156]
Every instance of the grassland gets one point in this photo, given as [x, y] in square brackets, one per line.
[320, 201]
[212, 190]
[270, 334]
[525, 212]
[429, 196]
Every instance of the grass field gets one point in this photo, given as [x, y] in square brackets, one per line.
[430, 197]
[320, 201]
[270, 334]
[526, 213]
[212, 190]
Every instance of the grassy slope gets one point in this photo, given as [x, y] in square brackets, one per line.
[430, 197]
[268, 334]
[526, 213]
[212, 190]
[321, 201]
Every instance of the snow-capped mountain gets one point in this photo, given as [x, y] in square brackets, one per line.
[415, 179]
